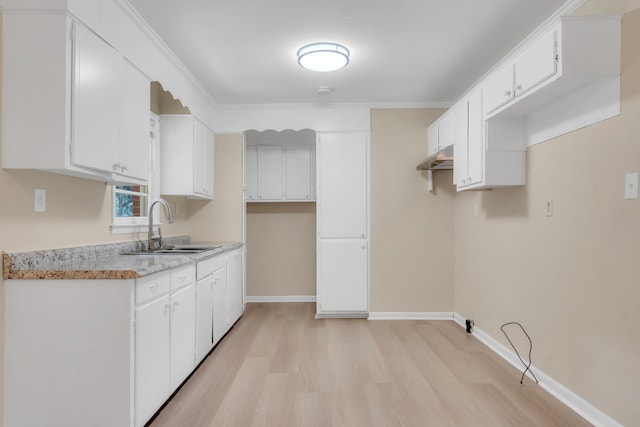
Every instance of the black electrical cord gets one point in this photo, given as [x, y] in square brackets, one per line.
[527, 366]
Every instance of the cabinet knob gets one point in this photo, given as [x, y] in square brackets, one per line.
[517, 88]
[116, 166]
[507, 93]
[361, 234]
[123, 168]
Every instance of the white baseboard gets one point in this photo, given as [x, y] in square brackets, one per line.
[560, 392]
[390, 315]
[282, 298]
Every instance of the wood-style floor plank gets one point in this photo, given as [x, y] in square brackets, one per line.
[279, 366]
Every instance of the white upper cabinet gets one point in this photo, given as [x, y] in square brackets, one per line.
[572, 54]
[96, 101]
[72, 103]
[187, 156]
[343, 185]
[298, 170]
[134, 155]
[270, 173]
[533, 66]
[280, 173]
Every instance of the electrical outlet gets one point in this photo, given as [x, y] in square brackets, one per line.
[39, 200]
[631, 186]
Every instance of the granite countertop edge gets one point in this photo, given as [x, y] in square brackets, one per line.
[102, 262]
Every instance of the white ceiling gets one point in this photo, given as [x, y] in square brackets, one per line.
[402, 51]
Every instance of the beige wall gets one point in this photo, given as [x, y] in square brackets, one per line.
[221, 219]
[572, 280]
[411, 228]
[281, 249]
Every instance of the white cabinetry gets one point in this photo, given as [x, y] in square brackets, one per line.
[469, 149]
[343, 200]
[220, 304]
[187, 155]
[153, 363]
[343, 217]
[72, 104]
[440, 134]
[110, 352]
[546, 89]
[343, 275]
[165, 337]
[183, 328]
[270, 173]
[235, 284]
[279, 173]
[530, 68]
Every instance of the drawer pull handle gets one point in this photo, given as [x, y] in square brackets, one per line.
[154, 287]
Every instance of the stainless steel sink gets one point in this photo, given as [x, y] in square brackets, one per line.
[175, 250]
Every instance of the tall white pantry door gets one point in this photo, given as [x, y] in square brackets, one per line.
[342, 220]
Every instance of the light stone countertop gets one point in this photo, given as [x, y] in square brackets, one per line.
[102, 261]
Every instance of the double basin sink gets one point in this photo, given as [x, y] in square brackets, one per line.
[175, 250]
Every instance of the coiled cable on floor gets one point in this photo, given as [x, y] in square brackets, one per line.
[526, 365]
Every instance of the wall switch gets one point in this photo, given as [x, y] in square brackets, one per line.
[549, 207]
[631, 186]
[39, 200]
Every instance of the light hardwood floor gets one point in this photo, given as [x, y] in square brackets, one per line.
[280, 367]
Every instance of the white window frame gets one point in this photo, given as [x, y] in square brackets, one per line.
[120, 225]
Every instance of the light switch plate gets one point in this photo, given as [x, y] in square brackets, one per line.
[39, 200]
[631, 186]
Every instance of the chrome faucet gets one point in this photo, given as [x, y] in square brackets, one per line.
[155, 242]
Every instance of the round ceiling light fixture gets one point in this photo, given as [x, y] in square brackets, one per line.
[323, 57]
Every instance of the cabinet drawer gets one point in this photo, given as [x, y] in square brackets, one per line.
[150, 287]
[182, 276]
[209, 265]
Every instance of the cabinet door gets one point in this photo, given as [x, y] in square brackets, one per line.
[199, 160]
[475, 159]
[204, 317]
[251, 172]
[298, 173]
[209, 154]
[498, 89]
[461, 146]
[343, 190]
[96, 101]
[536, 64]
[134, 147]
[203, 147]
[432, 139]
[234, 285]
[183, 329]
[153, 363]
[342, 276]
[445, 130]
[269, 173]
[220, 317]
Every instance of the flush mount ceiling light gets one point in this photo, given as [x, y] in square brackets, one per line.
[323, 57]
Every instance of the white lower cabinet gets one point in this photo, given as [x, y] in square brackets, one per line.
[220, 318]
[153, 383]
[343, 276]
[165, 337]
[234, 284]
[219, 298]
[107, 353]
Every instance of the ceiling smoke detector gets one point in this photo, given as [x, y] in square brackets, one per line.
[323, 57]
